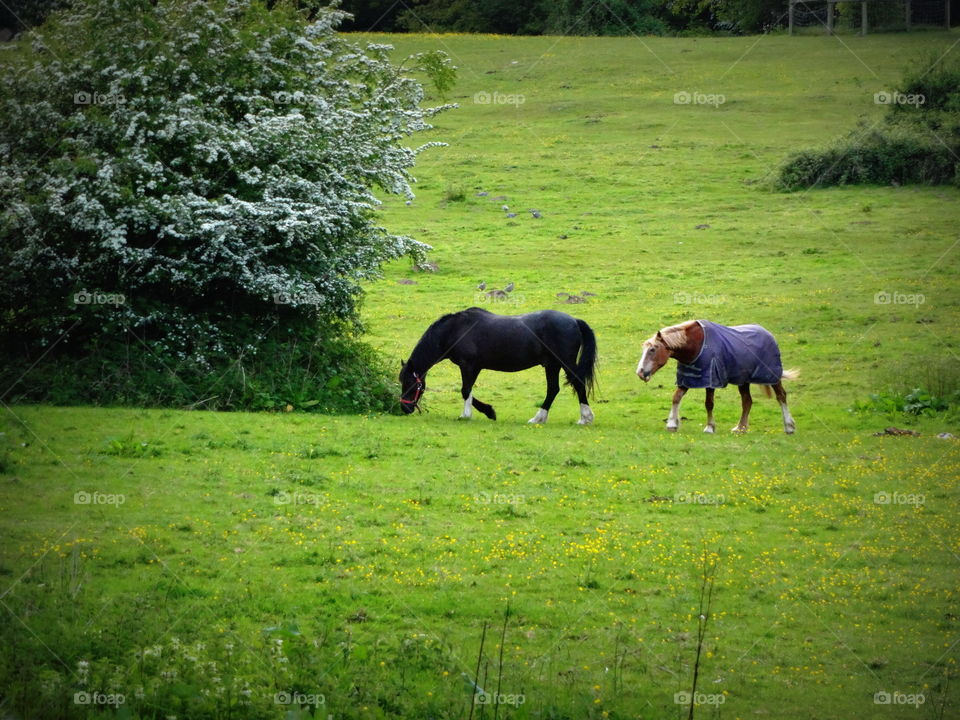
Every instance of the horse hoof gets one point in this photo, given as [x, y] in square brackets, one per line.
[671, 429]
[586, 415]
[738, 429]
[790, 430]
[709, 429]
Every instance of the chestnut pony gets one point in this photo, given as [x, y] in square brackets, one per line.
[710, 356]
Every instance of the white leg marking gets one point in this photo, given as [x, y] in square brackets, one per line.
[710, 428]
[467, 408]
[789, 426]
[540, 417]
[673, 421]
[586, 415]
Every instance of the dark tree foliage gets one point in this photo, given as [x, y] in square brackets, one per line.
[614, 17]
[18, 15]
[372, 15]
[567, 17]
[748, 16]
[497, 16]
[508, 17]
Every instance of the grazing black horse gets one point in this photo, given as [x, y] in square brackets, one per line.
[475, 339]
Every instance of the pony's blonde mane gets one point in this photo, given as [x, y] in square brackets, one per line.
[675, 336]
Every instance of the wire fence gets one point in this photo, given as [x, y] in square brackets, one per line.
[810, 16]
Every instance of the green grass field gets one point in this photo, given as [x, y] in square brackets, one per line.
[219, 565]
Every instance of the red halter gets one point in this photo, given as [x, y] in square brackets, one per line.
[417, 393]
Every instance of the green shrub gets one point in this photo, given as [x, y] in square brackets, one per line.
[918, 141]
[937, 79]
[335, 374]
[895, 153]
[917, 401]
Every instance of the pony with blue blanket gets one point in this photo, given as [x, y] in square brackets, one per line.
[711, 356]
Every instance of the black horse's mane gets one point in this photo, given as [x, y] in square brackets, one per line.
[448, 316]
[442, 321]
[429, 348]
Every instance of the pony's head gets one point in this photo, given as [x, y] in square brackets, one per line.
[658, 349]
[654, 356]
[412, 385]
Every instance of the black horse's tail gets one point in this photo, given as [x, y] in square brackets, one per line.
[587, 362]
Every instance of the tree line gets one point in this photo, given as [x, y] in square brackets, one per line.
[508, 17]
[535, 17]
[566, 17]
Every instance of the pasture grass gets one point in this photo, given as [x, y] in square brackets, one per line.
[357, 559]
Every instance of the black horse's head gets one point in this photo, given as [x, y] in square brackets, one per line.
[412, 385]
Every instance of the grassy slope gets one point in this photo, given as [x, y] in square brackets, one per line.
[580, 150]
[823, 597]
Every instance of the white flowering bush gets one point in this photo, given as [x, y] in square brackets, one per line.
[191, 174]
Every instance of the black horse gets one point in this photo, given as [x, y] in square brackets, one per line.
[475, 339]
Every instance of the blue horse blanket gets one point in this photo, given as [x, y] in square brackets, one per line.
[738, 355]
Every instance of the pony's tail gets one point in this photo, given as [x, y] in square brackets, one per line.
[586, 370]
[791, 374]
